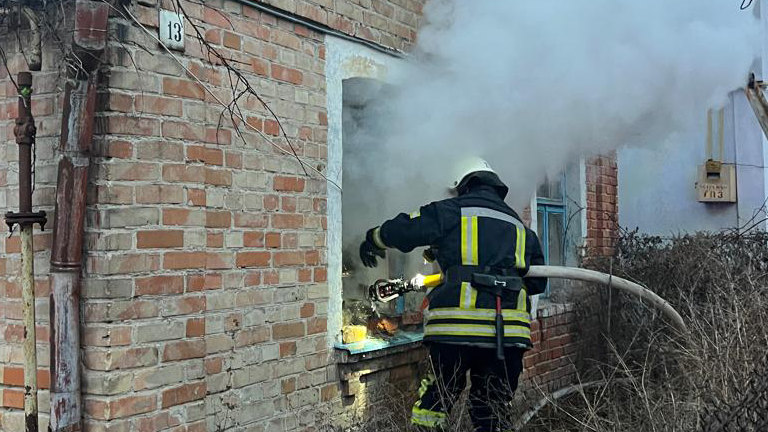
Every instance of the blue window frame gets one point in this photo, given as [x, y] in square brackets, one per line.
[550, 216]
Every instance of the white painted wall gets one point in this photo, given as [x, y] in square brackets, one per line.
[656, 186]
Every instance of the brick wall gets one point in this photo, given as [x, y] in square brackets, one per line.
[602, 205]
[550, 365]
[205, 300]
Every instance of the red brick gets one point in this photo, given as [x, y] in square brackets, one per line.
[287, 330]
[158, 105]
[159, 194]
[329, 392]
[292, 76]
[196, 197]
[214, 365]
[250, 220]
[216, 17]
[281, 259]
[287, 221]
[183, 350]
[287, 349]
[218, 136]
[253, 239]
[156, 285]
[218, 177]
[231, 40]
[116, 102]
[253, 259]
[317, 325]
[195, 327]
[213, 36]
[183, 88]
[271, 127]
[273, 240]
[131, 406]
[205, 155]
[255, 123]
[290, 184]
[155, 423]
[312, 258]
[183, 173]
[126, 125]
[307, 310]
[271, 202]
[203, 282]
[305, 275]
[234, 160]
[183, 394]
[184, 260]
[288, 204]
[215, 240]
[218, 260]
[159, 239]
[14, 376]
[13, 398]
[288, 385]
[321, 274]
[221, 219]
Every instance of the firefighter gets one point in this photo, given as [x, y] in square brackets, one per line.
[478, 319]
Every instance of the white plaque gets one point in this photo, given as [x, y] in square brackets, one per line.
[172, 29]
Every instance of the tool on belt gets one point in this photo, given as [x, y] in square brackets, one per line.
[496, 283]
[498, 286]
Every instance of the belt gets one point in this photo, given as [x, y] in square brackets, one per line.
[484, 278]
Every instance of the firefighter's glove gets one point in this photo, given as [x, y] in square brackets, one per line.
[429, 254]
[369, 250]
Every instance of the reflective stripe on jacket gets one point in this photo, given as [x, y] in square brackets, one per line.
[474, 229]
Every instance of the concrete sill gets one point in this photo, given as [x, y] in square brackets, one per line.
[375, 348]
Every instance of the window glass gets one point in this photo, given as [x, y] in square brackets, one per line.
[551, 189]
[555, 238]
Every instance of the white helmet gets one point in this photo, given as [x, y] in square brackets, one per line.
[467, 166]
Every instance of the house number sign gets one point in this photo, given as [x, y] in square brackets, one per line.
[172, 29]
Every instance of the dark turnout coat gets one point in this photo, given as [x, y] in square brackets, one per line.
[478, 232]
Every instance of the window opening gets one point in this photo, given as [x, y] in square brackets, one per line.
[551, 215]
[384, 324]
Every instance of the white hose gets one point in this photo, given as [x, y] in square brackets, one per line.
[612, 282]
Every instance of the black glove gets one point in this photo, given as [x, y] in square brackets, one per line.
[369, 250]
[430, 254]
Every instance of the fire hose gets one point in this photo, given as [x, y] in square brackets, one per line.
[385, 290]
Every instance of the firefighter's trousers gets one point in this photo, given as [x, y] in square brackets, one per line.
[493, 383]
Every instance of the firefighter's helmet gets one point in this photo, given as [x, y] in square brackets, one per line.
[467, 166]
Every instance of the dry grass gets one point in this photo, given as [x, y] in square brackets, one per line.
[714, 377]
[642, 375]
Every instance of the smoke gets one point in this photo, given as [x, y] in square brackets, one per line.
[533, 86]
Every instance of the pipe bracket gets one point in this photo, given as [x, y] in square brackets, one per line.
[23, 219]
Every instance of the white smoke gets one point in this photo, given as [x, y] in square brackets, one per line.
[533, 86]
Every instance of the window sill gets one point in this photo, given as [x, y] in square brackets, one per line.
[373, 348]
[547, 308]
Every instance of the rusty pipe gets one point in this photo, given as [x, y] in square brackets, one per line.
[25, 137]
[77, 125]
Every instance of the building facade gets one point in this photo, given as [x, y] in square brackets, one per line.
[211, 271]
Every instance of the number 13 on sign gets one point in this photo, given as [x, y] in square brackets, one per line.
[172, 29]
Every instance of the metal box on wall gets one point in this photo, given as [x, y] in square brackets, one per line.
[716, 182]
